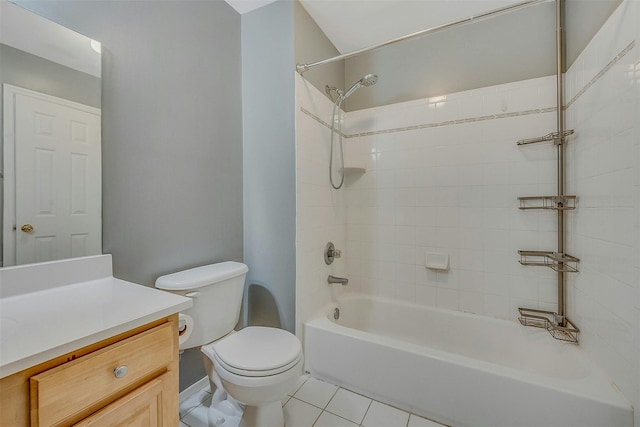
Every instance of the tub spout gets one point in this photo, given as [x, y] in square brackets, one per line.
[333, 279]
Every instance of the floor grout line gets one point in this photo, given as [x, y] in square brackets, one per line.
[366, 412]
[324, 409]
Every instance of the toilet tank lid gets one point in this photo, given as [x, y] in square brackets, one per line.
[201, 276]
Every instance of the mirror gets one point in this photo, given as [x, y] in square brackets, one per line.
[50, 198]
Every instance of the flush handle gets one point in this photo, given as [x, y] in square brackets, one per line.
[27, 228]
[121, 371]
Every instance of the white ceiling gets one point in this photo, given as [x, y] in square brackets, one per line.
[244, 6]
[354, 24]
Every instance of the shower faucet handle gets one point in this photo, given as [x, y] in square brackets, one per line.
[330, 253]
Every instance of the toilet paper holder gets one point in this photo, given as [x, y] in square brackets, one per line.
[182, 327]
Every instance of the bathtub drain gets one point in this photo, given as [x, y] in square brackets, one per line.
[336, 313]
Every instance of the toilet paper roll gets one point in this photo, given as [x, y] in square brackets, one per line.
[185, 328]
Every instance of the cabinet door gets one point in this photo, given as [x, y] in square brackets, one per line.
[143, 407]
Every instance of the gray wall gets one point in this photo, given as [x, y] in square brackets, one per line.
[268, 96]
[512, 47]
[476, 55]
[172, 134]
[32, 72]
[28, 71]
[311, 44]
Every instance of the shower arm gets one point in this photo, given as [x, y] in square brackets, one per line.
[302, 68]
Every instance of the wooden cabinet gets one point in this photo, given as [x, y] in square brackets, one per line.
[127, 380]
[142, 407]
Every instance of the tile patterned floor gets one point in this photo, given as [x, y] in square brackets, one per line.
[315, 403]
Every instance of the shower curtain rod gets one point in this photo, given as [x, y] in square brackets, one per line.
[301, 68]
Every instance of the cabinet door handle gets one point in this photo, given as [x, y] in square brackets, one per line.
[121, 371]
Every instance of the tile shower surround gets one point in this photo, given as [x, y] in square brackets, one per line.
[444, 174]
[603, 168]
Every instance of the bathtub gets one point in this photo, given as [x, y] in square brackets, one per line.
[460, 369]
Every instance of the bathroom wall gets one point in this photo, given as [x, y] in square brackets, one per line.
[269, 153]
[172, 134]
[443, 176]
[507, 48]
[311, 45]
[511, 47]
[321, 210]
[603, 97]
[23, 69]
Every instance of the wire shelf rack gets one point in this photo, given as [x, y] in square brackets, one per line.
[556, 137]
[547, 320]
[548, 202]
[556, 261]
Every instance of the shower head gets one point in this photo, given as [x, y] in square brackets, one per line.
[367, 80]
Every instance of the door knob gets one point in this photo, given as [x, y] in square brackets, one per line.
[27, 228]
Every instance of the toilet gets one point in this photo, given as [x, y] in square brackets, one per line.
[257, 365]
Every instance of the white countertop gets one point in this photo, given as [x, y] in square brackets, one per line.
[38, 324]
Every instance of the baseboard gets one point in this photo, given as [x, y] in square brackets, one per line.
[194, 388]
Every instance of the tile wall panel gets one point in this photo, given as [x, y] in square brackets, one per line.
[320, 210]
[443, 175]
[604, 169]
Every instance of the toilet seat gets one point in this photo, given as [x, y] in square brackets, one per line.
[256, 351]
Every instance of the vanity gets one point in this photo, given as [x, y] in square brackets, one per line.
[80, 347]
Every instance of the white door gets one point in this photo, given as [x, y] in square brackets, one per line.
[57, 173]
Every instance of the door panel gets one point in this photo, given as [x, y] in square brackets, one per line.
[57, 178]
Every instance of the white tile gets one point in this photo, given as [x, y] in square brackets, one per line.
[303, 378]
[471, 302]
[316, 392]
[349, 405]
[300, 414]
[329, 420]
[197, 417]
[381, 415]
[195, 400]
[448, 298]
[416, 421]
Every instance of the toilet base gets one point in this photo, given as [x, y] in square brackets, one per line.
[267, 415]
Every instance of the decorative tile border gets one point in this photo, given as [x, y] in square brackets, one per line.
[455, 122]
[602, 72]
[322, 122]
[432, 125]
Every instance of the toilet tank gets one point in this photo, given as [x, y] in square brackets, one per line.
[216, 291]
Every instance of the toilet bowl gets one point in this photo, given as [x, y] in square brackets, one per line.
[257, 366]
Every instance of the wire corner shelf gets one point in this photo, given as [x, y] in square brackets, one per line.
[566, 331]
[560, 262]
[556, 137]
[565, 203]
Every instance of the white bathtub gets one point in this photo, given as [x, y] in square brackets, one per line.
[460, 369]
